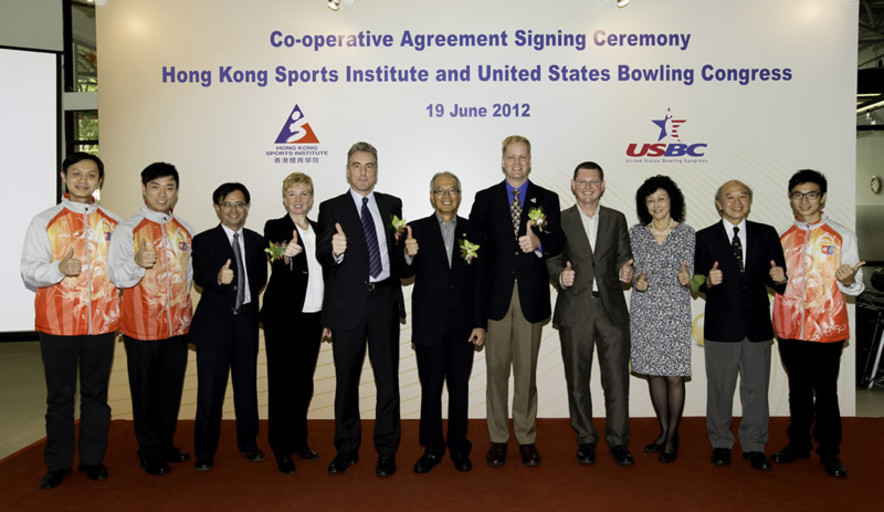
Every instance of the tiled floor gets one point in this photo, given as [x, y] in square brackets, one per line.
[23, 397]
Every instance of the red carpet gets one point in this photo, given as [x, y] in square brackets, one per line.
[560, 483]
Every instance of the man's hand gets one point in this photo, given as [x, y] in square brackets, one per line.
[326, 335]
[145, 257]
[411, 246]
[641, 282]
[339, 241]
[293, 248]
[684, 277]
[715, 276]
[568, 276]
[845, 273]
[225, 275]
[777, 274]
[627, 271]
[529, 241]
[70, 266]
[477, 337]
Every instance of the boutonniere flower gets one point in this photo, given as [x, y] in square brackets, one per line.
[468, 250]
[397, 225]
[537, 217]
[276, 251]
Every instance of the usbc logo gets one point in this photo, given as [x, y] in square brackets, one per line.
[668, 130]
[296, 129]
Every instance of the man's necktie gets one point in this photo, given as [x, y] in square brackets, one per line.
[371, 239]
[516, 212]
[738, 248]
[240, 274]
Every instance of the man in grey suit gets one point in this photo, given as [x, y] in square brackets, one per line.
[591, 311]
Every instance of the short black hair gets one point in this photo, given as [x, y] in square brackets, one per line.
[653, 184]
[226, 188]
[808, 176]
[159, 170]
[589, 165]
[79, 156]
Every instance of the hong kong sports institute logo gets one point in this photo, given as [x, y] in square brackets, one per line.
[296, 129]
[668, 144]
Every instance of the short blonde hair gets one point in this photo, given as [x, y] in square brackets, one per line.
[296, 178]
[514, 138]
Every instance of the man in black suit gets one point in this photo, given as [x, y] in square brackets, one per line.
[518, 285]
[442, 254]
[363, 301]
[591, 312]
[740, 260]
[230, 266]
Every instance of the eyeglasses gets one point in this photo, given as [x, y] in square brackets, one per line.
[813, 195]
[229, 206]
[588, 183]
[446, 191]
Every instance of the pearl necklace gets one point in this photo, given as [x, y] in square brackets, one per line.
[664, 232]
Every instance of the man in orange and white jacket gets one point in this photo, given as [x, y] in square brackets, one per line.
[810, 321]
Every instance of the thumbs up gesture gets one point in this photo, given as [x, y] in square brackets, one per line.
[777, 274]
[641, 282]
[684, 277]
[846, 274]
[69, 265]
[225, 275]
[568, 275]
[293, 248]
[529, 241]
[715, 276]
[145, 256]
[411, 246]
[627, 271]
[339, 241]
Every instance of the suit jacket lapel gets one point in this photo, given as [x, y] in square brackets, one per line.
[581, 241]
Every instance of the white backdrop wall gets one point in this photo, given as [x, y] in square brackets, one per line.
[756, 90]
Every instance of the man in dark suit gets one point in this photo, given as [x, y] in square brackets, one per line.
[520, 225]
[442, 254]
[230, 266]
[363, 301]
[591, 311]
[740, 259]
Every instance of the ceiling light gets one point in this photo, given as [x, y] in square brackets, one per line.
[334, 4]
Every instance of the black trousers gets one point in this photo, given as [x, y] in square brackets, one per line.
[213, 365]
[451, 363]
[379, 328]
[292, 349]
[63, 356]
[813, 394]
[156, 377]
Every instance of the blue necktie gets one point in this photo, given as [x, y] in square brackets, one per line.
[371, 240]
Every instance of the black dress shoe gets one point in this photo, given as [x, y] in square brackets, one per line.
[654, 447]
[834, 467]
[670, 456]
[342, 462]
[530, 455]
[155, 467]
[622, 456]
[386, 466]
[496, 455]
[94, 471]
[53, 478]
[757, 460]
[586, 453]
[426, 463]
[177, 455]
[285, 464]
[203, 464]
[306, 453]
[721, 456]
[254, 454]
[461, 461]
[787, 455]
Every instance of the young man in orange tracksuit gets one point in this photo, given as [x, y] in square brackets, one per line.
[150, 260]
[77, 314]
[810, 320]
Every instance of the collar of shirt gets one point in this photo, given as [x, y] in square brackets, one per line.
[357, 200]
[522, 190]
